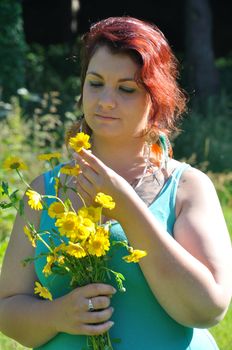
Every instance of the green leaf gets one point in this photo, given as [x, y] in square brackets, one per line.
[5, 188]
[5, 205]
[120, 243]
[13, 196]
[119, 275]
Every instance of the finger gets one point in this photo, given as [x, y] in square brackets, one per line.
[85, 184]
[80, 160]
[94, 162]
[89, 173]
[97, 289]
[100, 303]
[97, 317]
[83, 194]
[97, 329]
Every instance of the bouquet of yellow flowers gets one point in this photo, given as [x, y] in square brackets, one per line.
[83, 240]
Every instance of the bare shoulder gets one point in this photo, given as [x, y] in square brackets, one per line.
[16, 278]
[195, 187]
[195, 176]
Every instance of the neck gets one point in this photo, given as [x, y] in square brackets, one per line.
[124, 158]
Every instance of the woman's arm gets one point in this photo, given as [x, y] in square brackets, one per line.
[32, 321]
[191, 274]
[23, 316]
[20, 310]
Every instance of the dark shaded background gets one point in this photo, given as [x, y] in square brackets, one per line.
[48, 22]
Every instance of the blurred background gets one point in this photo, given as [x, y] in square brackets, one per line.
[40, 87]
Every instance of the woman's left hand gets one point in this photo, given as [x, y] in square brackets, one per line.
[96, 177]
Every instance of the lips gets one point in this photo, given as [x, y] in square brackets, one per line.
[107, 117]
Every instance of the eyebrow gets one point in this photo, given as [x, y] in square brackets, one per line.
[101, 77]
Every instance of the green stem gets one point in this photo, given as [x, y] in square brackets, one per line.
[108, 340]
[45, 243]
[54, 197]
[21, 177]
[83, 201]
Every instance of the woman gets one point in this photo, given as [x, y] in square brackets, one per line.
[131, 102]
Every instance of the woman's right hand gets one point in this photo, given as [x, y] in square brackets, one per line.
[72, 315]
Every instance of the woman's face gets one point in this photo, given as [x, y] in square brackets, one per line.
[113, 104]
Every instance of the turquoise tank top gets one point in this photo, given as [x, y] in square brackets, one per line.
[139, 320]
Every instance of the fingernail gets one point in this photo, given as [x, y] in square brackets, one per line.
[111, 323]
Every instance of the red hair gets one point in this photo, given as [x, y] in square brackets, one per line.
[158, 71]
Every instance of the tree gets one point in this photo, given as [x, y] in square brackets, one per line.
[13, 48]
[202, 75]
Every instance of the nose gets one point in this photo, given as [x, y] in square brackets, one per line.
[107, 99]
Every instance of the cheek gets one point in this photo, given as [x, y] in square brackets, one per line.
[88, 101]
[143, 107]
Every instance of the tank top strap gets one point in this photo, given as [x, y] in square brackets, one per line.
[170, 187]
[174, 181]
[164, 205]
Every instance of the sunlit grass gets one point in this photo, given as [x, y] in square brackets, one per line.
[222, 333]
[9, 344]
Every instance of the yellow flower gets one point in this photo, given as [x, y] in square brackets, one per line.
[92, 213]
[12, 163]
[56, 209]
[35, 200]
[105, 201]
[47, 270]
[85, 229]
[135, 255]
[81, 140]
[98, 244]
[75, 249]
[29, 233]
[68, 224]
[49, 156]
[42, 291]
[103, 230]
[70, 170]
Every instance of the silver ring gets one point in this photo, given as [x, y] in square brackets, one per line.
[90, 305]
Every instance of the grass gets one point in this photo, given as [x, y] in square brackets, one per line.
[9, 344]
[223, 331]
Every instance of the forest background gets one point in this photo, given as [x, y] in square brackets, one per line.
[40, 86]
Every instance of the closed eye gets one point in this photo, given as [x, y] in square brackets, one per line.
[127, 89]
[95, 83]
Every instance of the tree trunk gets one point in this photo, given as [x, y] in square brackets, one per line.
[202, 75]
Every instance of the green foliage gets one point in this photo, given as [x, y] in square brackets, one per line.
[223, 184]
[53, 68]
[224, 65]
[206, 137]
[13, 48]
[23, 139]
